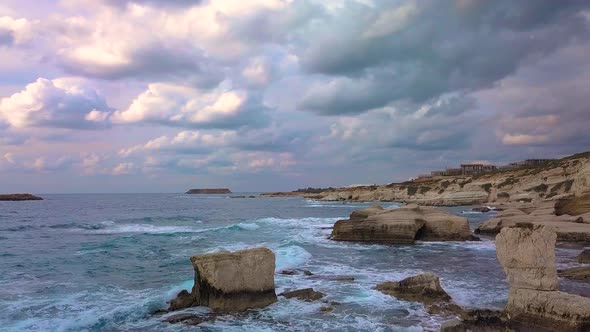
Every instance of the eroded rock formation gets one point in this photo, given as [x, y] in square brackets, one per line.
[231, 281]
[402, 226]
[527, 254]
[568, 228]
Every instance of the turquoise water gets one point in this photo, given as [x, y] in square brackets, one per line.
[107, 262]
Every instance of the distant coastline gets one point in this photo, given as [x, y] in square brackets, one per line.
[19, 197]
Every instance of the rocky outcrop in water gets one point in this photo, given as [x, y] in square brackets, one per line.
[209, 191]
[568, 228]
[20, 197]
[307, 294]
[231, 281]
[581, 273]
[424, 288]
[401, 226]
[527, 254]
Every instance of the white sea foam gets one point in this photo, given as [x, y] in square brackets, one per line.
[248, 226]
[290, 257]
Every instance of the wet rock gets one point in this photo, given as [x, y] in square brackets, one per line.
[188, 319]
[231, 281]
[183, 300]
[482, 209]
[454, 325]
[584, 256]
[332, 277]
[307, 294]
[527, 256]
[402, 226]
[292, 272]
[423, 288]
[326, 309]
[576, 273]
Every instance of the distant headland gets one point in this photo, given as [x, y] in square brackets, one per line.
[20, 197]
[209, 191]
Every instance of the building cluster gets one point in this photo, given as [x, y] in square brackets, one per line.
[477, 168]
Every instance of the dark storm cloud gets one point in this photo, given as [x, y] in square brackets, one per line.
[439, 48]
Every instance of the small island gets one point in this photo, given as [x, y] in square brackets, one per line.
[209, 191]
[19, 197]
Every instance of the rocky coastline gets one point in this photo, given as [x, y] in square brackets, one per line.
[526, 224]
[551, 181]
[19, 197]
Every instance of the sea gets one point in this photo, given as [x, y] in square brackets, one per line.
[108, 262]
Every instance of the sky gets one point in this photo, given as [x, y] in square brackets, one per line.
[267, 95]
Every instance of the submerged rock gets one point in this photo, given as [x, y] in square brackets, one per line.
[584, 256]
[402, 226]
[188, 319]
[231, 281]
[576, 273]
[307, 294]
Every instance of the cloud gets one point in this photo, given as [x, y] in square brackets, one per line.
[15, 31]
[58, 103]
[123, 169]
[184, 106]
[374, 61]
[191, 44]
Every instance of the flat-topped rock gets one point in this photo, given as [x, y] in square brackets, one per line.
[209, 191]
[19, 197]
[552, 309]
[402, 226]
[231, 281]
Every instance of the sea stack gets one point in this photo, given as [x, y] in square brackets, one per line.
[208, 191]
[231, 281]
[527, 254]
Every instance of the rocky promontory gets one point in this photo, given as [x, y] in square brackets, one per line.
[20, 197]
[208, 191]
[401, 226]
[550, 181]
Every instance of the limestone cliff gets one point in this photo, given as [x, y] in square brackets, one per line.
[551, 181]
